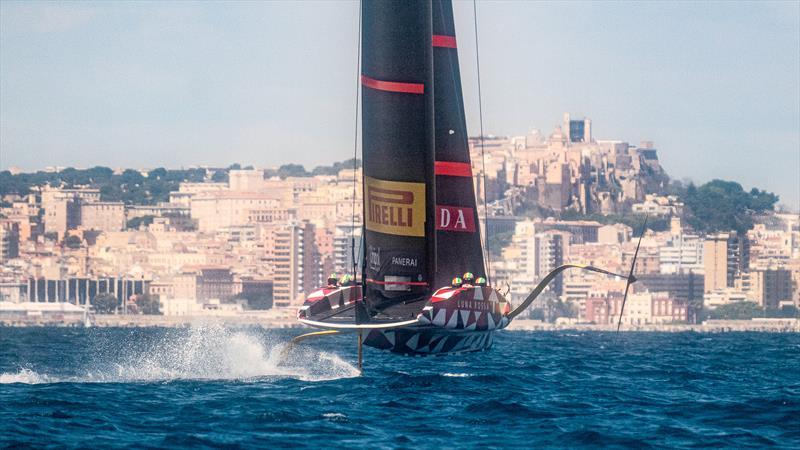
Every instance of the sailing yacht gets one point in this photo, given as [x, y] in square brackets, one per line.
[421, 226]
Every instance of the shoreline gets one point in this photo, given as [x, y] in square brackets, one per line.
[144, 321]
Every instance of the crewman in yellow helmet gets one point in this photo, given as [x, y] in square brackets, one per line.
[480, 281]
[347, 280]
[457, 282]
[469, 279]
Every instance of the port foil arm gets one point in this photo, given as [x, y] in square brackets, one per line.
[550, 276]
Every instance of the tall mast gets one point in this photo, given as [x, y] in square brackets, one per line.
[398, 148]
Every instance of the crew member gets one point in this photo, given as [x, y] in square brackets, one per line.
[347, 280]
[332, 280]
[457, 282]
[469, 279]
[480, 281]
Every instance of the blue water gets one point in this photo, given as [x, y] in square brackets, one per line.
[219, 387]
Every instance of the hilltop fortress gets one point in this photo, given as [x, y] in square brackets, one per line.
[569, 169]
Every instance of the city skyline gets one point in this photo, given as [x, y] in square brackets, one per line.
[183, 84]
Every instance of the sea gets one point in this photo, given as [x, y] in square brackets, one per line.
[211, 386]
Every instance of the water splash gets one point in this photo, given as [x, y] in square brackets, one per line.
[24, 376]
[211, 352]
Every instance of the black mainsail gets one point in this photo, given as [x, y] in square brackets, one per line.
[458, 238]
[398, 150]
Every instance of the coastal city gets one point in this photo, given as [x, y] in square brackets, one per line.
[131, 246]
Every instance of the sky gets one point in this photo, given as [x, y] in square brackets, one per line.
[716, 85]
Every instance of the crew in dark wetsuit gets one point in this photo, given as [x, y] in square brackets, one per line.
[332, 280]
[456, 283]
[469, 279]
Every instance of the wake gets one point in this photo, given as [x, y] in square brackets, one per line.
[200, 353]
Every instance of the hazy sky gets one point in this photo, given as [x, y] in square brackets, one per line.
[146, 84]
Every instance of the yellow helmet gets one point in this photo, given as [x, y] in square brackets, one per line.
[480, 281]
[457, 282]
[469, 277]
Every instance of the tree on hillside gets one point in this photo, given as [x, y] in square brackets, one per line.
[220, 176]
[736, 311]
[105, 303]
[498, 241]
[148, 304]
[136, 222]
[559, 308]
[336, 167]
[157, 174]
[72, 242]
[292, 170]
[723, 206]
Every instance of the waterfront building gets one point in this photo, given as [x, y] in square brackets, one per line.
[203, 284]
[658, 205]
[647, 261]
[549, 254]
[723, 296]
[62, 208]
[643, 308]
[258, 292]
[581, 231]
[345, 235]
[169, 210]
[683, 253]
[13, 291]
[214, 210]
[725, 256]
[83, 290]
[9, 240]
[102, 216]
[617, 233]
[767, 287]
[687, 288]
[246, 180]
[186, 191]
[296, 263]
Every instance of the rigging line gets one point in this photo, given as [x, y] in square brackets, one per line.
[483, 157]
[355, 148]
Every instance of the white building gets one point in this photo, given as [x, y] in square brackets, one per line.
[344, 236]
[682, 254]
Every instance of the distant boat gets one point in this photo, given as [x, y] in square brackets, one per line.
[87, 318]
[421, 224]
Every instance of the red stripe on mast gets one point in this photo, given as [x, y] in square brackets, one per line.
[452, 169]
[440, 40]
[393, 86]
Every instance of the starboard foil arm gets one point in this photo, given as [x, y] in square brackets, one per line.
[284, 353]
[550, 276]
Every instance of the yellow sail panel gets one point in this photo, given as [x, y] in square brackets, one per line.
[395, 207]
